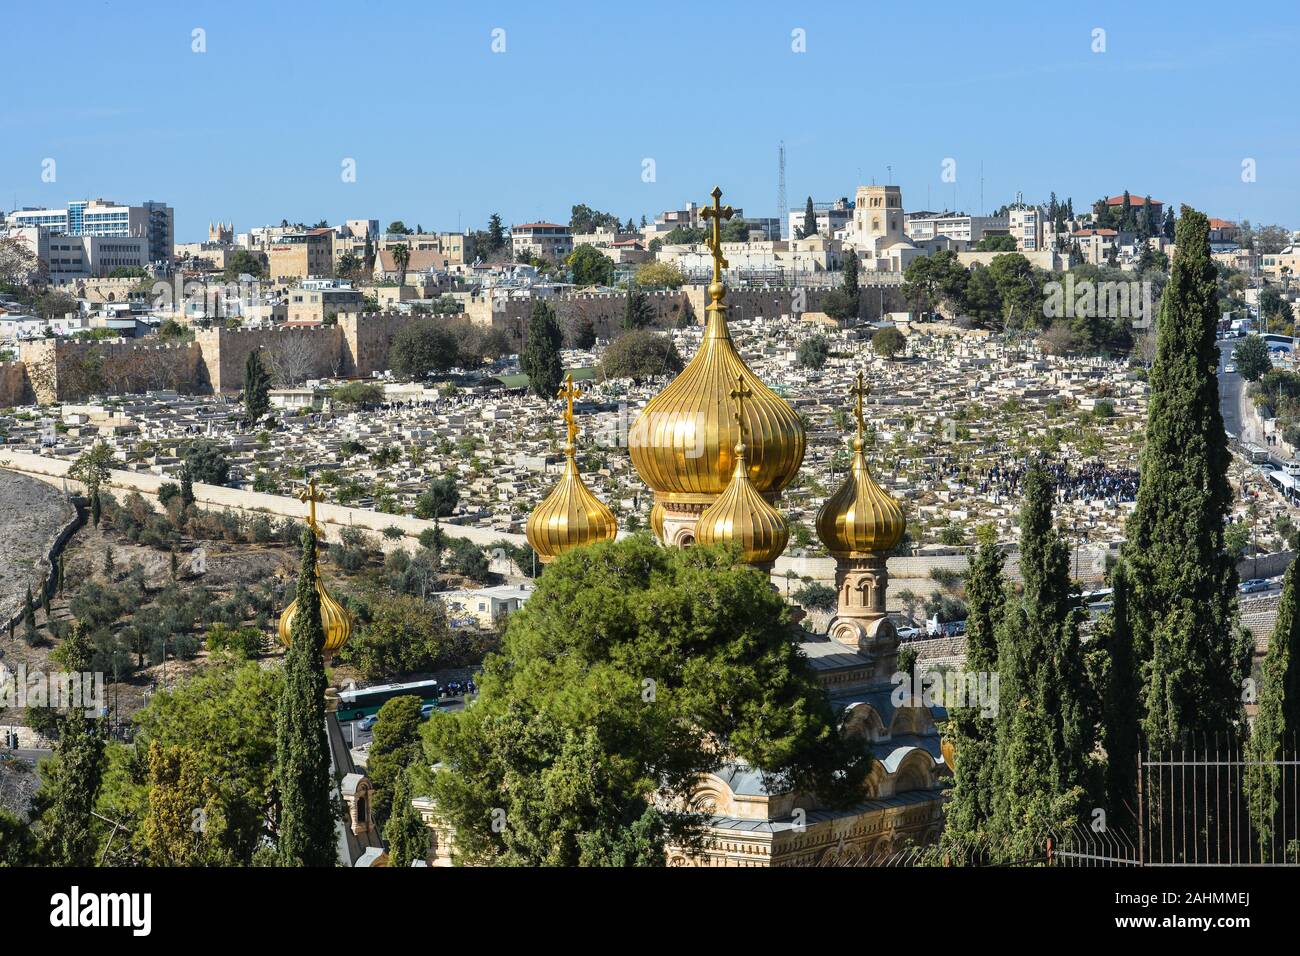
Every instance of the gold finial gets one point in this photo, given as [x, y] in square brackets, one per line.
[717, 213]
[311, 496]
[859, 391]
[569, 392]
[740, 393]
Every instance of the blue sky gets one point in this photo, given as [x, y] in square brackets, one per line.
[444, 131]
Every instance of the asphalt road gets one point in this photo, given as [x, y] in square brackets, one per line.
[357, 737]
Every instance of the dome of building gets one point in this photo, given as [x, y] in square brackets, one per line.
[861, 518]
[570, 516]
[742, 516]
[682, 444]
[334, 618]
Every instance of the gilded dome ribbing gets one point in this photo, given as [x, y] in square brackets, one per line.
[861, 518]
[742, 516]
[335, 621]
[570, 516]
[683, 442]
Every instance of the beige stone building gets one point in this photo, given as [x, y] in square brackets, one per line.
[301, 255]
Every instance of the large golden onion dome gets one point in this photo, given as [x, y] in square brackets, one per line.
[570, 516]
[683, 442]
[742, 516]
[861, 518]
[335, 620]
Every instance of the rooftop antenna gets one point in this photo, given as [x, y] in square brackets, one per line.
[982, 209]
[782, 207]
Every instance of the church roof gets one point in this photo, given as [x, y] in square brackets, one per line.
[906, 799]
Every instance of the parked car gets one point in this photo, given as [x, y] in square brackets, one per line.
[1253, 585]
[368, 723]
[427, 711]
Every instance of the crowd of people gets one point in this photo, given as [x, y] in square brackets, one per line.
[1000, 479]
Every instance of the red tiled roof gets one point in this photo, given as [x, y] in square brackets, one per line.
[1222, 224]
[1133, 200]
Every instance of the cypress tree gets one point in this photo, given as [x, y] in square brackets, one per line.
[1277, 723]
[302, 752]
[850, 286]
[1044, 739]
[257, 386]
[540, 360]
[96, 510]
[45, 602]
[972, 800]
[809, 220]
[407, 836]
[29, 619]
[1182, 579]
[1121, 708]
[70, 786]
[637, 313]
[187, 487]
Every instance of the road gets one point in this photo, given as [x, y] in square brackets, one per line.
[1232, 398]
[357, 737]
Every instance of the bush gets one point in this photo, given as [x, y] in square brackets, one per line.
[817, 597]
[639, 355]
[813, 352]
[888, 342]
[243, 642]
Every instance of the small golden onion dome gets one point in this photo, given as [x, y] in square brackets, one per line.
[657, 520]
[682, 442]
[569, 517]
[743, 516]
[861, 518]
[334, 618]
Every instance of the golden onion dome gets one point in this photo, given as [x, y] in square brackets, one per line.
[570, 516]
[861, 518]
[742, 516]
[682, 444]
[657, 520]
[335, 621]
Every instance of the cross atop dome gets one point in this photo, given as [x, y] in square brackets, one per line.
[858, 392]
[717, 213]
[569, 392]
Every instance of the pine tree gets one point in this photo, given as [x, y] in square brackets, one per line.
[75, 654]
[405, 832]
[496, 234]
[809, 220]
[1183, 580]
[69, 788]
[1044, 738]
[257, 387]
[1277, 724]
[1121, 705]
[302, 752]
[540, 360]
[973, 734]
[187, 487]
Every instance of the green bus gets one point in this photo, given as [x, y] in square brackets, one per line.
[364, 701]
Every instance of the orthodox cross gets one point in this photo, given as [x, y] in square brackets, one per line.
[740, 393]
[858, 392]
[717, 212]
[569, 392]
[311, 496]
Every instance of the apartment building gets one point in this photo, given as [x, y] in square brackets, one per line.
[317, 301]
[454, 248]
[545, 239]
[82, 257]
[301, 254]
[829, 216]
[1025, 224]
[152, 221]
[971, 229]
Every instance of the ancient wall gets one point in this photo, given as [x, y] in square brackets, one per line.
[15, 388]
[312, 352]
[63, 369]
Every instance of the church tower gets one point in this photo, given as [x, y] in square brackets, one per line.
[860, 524]
[687, 441]
[878, 217]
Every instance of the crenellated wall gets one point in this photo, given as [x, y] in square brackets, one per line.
[15, 388]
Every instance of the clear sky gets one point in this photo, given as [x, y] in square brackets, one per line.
[444, 131]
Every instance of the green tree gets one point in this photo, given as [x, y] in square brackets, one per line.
[590, 266]
[639, 355]
[440, 499]
[888, 342]
[632, 670]
[1044, 737]
[540, 360]
[817, 597]
[405, 833]
[187, 487]
[243, 262]
[1121, 703]
[637, 313]
[70, 785]
[302, 753]
[659, 275]
[813, 352]
[496, 234]
[809, 220]
[401, 634]
[206, 462]
[29, 619]
[423, 348]
[401, 258]
[1013, 277]
[996, 244]
[973, 731]
[257, 386]
[1251, 356]
[17, 845]
[395, 747]
[92, 468]
[1182, 579]
[1277, 723]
